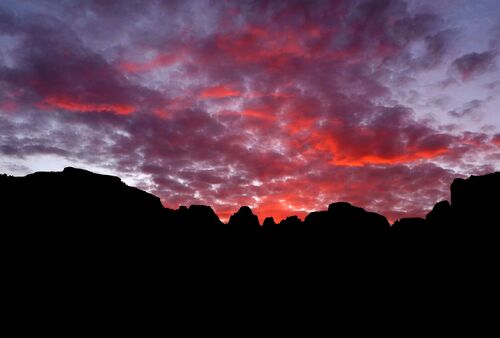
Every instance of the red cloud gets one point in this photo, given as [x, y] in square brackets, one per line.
[362, 146]
[251, 114]
[8, 106]
[280, 207]
[261, 45]
[73, 105]
[258, 114]
[496, 140]
[378, 159]
[219, 92]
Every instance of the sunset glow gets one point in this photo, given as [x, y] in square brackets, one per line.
[284, 106]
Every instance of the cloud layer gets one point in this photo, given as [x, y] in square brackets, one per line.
[283, 106]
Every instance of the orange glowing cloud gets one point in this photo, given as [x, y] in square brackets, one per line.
[258, 115]
[379, 159]
[277, 205]
[279, 209]
[72, 105]
[299, 124]
[218, 92]
[364, 155]
[249, 113]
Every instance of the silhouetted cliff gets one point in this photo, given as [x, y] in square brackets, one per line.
[79, 233]
[74, 196]
[77, 202]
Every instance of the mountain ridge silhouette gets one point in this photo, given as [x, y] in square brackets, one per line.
[78, 233]
[75, 188]
[101, 209]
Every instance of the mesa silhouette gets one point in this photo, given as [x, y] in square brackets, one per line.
[85, 206]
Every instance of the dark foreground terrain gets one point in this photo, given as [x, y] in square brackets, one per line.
[79, 208]
[78, 217]
[75, 238]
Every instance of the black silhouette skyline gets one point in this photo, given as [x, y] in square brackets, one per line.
[92, 238]
[262, 153]
[79, 199]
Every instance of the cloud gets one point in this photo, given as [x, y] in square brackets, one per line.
[218, 92]
[470, 108]
[474, 64]
[69, 104]
[54, 69]
[496, 140]
[155, 63]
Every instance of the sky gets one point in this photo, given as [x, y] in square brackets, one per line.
[284, 106]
